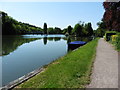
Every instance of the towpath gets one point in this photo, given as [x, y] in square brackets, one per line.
[105, 69]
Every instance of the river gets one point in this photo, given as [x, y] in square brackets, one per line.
[22, 54]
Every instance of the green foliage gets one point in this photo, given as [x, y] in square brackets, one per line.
[71, 71]
[114, 38]
[58, 30]
[89, 29]
[83, 30]
[69, 30]
[55, 30]
[11, 43]
[101, 25]
[64, 30]
[117, 43]
[11, 26]
[100, 32]
[51, 30]
[77, 30]
[108, 35]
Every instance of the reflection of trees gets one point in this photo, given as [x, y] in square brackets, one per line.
[68, 40]
[11, 43]
[45, 40]
[57, 38]
[54, 38]
[50, 38]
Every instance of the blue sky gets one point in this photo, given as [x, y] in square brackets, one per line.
[55, 14]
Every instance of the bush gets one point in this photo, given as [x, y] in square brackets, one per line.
[115, 39]
[118, 42]
[109, 34]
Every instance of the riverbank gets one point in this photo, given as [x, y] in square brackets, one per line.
[71, 71]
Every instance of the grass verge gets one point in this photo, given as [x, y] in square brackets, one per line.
[71, 71]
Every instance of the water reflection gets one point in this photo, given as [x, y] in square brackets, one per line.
[45, 40]
[11, 43]
[68, 40]
[57, 38]
[31, 52]
[23, 54]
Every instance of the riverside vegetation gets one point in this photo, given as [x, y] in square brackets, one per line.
[11, 26]
[70, 71]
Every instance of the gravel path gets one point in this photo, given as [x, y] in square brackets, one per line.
[105, 70]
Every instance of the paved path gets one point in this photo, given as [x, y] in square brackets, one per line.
[105, 70]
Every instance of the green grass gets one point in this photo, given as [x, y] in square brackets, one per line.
[70, 71]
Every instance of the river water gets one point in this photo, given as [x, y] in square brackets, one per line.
[25, 53]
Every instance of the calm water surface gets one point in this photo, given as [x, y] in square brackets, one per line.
[23, 54]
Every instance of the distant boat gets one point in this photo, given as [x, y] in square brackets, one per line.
[75, 44]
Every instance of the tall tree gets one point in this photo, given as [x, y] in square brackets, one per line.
[89, 29]
[112, 15]
[77, 30]
[45, 28]
[69, 29]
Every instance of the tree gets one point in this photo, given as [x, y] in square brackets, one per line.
[101, 25]
[100, 32]
[64, 30]
[89, 29]
[77, 30]
[57, 30]
[51, 30]
[45, 28]
[112, 15]
[11, 26]
[69, 29]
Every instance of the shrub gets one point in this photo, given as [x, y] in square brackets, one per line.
[118, 42]
[114, 38]
[108, 35]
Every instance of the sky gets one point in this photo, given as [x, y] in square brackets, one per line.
[55, 14]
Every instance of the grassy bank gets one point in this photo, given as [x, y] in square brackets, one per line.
[71, 71]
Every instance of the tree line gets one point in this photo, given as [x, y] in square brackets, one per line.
[11, 26]
[80, 29]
